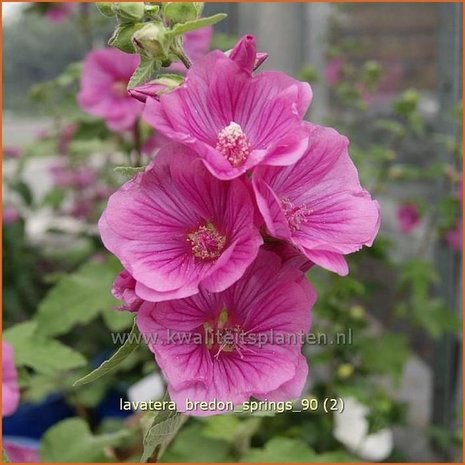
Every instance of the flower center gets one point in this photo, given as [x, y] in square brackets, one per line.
[233, 144]
[120, 88]
[295, 215]
[222, 336]
[206, 242]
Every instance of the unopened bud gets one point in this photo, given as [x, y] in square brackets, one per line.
[180, 12]
[155, 88]
[357, 312]
[122, 36]
[129, 11]
[106, 8]
[345, 370]
[150, 41]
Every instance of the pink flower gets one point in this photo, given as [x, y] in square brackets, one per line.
[19, 453]
[84, 176]
[453, 237]
[80, 177]
[12, 152]
[408, 217]
[333, 71]
[245, 54]
[59, 12]
[62, 176]
[81, 208]
[318, 204]
[232, 120]
[196, 44]
[10, 388]
[65, 137]
[289, 254]
[105, 75]
[176, 227]
[124, 290]
[10, 215]
[242, 342]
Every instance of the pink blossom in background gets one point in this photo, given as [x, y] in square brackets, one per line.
[453, 237]
[317, 204]
[19, 453]
[333, 71]
[81, 208]
[217, 356]
[10, 215]
[10, 388]
[84, 176]
[124, 289]
[176, 227]
[11, 152]
[79, 177]
[62, 176]
[105, 75]
[196, 44]
[232, 120]
[408, 217]
[102, 192]
[59, 12]
[65, 136]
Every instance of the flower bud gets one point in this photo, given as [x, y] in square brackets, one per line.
[122, 36]
[155, 88]
[357, 312]
[106, 8]
[150, 41]
[129, 11]
[180, 12]
[345, 370]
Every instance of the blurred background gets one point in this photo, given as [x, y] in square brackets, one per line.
[389, 77]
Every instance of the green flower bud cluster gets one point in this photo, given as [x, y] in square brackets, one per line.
[154, 31]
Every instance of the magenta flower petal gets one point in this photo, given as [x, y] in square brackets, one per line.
[231, 345]
[245, 54]
[10, 388]
[176, 227]
[291, 389]
[232, 120]
[124, 290]
[318, 204]
[20, 453]
[105, 75]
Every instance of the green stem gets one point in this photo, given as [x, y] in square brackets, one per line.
[179, 52]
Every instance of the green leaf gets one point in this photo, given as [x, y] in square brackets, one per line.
[385, 354]
[144, 72]
[280, 449]
[78, 298]
[116, 320]
[4, 457]
[131, 343]
[161, 432]
[191, 443]
[72, 441]
[231, 428]
[129, 171]
[36, 351]
[188, 26]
